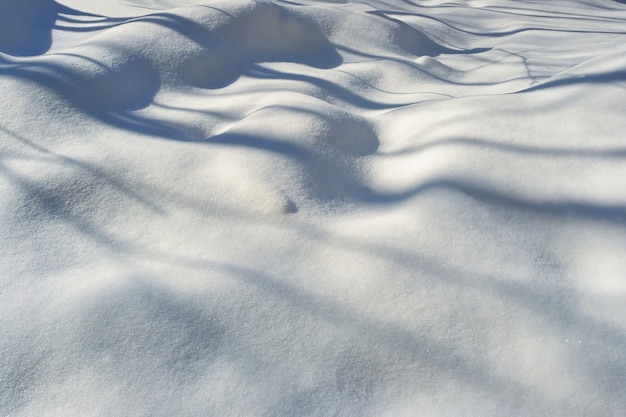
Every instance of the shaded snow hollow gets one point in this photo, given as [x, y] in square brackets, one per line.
[313, 208]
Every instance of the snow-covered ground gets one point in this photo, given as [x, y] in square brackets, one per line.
[379, 208]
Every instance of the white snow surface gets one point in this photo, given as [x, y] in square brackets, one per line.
[313, 208]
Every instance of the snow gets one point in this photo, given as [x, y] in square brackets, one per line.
[312, 208]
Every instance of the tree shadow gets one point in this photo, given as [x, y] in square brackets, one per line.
[112, 90]
[327, 176]
[520, 149]
[601, 78]
[72, 202]
[155, 315]
[333, 89]
[370, 349]
[500, 33]
[614, 213]
[145, 325]
[247, 41]
[26, 26]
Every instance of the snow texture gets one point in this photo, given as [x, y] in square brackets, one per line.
[313, 208]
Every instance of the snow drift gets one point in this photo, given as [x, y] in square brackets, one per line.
[273, 208]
